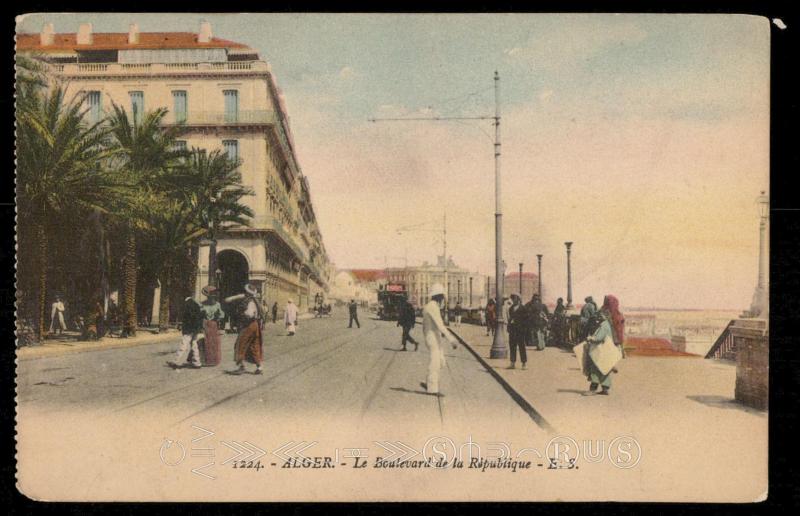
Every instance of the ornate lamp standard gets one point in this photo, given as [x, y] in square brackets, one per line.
[470, 291]
[569, 274]
[539, 259]
[760, 305]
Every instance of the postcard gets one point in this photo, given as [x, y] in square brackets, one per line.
[392, 257]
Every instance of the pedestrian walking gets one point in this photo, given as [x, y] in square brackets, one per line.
[491, 317]
[599, 355]
[558, 327]
[353, 307]
[212, 315]
[290, 317]
[407, 319]
[57, 314]
[482, 316]
[610, 310]
[457, 311]
[516, 331]
[587, 312]
[274, 312]
[249, 344]
[538, 317]
[191, 326]
[433, 329]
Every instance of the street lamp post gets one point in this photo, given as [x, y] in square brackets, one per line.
[760, 305]
[520, 280]
[470, 291]
[569, 274]
[539, 290]
[458, 298]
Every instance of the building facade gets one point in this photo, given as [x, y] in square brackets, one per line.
[226, 97]
[419, 279]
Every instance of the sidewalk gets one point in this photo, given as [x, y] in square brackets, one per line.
[55, 347]
[64, 346]
[679, 409]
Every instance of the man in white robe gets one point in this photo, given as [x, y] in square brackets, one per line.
[433, 329]
[290, 317]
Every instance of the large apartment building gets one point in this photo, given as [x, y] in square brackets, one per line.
[227, 98]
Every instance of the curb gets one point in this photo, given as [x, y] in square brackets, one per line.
[34, 352]
[515, 395]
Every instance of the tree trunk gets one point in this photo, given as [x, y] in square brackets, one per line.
[129, 285]
[212, 262]
[41, 294]
[165, 279]
[190, 281]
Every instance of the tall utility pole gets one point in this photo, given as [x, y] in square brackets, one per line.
[499, 348]
[539, 291]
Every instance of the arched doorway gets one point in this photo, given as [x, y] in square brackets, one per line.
[234, 273]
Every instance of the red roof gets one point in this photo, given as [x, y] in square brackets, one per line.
[119, 41]
[368, 275]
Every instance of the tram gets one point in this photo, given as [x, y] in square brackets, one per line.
[390, 299]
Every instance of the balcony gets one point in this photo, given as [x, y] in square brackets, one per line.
[157, 69]
[214, 118]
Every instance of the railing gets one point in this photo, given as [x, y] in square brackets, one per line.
[89, 67]
[242, 117]
[161, 68]
[724, 347]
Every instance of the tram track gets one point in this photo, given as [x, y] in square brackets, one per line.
[190, 386]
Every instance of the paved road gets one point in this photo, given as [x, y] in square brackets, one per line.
[327, 373]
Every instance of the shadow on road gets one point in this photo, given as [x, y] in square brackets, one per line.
[725, 403]
[571, 391]
[425, 393]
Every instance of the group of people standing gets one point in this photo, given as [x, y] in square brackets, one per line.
[201, 323]
[531, 325]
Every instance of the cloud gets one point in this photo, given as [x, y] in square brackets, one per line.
[561, 48]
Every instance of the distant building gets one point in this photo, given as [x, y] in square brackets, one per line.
[530, 285]
[359, 284]
[419, 279]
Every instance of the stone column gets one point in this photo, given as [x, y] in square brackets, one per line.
[751, 342]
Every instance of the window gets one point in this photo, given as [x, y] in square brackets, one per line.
[180, 145]
[231, 105]
[137, 105]
[231, 148]
[95, 106]
[180, 105]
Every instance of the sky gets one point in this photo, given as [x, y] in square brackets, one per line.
[644, 139]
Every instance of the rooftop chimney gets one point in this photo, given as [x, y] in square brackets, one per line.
[46, 36]
[85, 34]
[133, 34]
[205, 35]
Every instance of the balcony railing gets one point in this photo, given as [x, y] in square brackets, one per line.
[210, 118]
[85, 69]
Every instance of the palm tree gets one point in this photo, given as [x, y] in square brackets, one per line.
[171, 229]
[59, 172]
[146, 151]
[212, 184]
